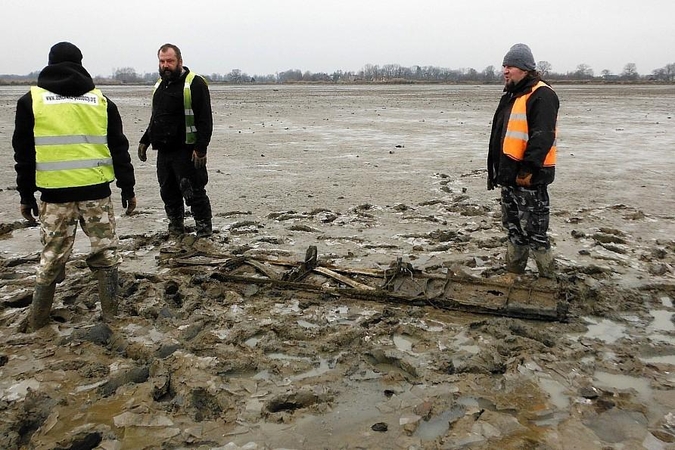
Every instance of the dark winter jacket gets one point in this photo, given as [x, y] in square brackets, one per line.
[68, 79]
[542, 114]
[166, 131]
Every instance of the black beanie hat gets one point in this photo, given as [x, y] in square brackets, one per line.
[65, 51]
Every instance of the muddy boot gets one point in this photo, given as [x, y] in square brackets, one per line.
[516, 257]
[61, 276]
[176, 226]
[108, 280]
[545, 262]
[204, 228]
[43, 296]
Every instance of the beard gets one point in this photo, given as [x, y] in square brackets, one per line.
[171, 75]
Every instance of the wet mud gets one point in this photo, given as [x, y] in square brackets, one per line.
[248, 340]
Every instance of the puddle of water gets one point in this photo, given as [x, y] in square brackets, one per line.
[657, 337]
[403, 344]
[662, 321]
[253, 340]
[666, 359]
[625, 382]
[142, 260]
[555, 391]
[305, 324]
[465, 343]
[438, 426]
[323, 365]
[285, 309]
[605, 330]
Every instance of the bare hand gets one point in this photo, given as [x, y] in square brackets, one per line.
[198, 161]
[524, 179]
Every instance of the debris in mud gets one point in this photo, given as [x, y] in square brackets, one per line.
[404, 315]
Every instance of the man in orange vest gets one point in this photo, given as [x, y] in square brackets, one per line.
[521, 160]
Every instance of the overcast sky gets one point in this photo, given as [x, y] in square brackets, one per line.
[268, 36]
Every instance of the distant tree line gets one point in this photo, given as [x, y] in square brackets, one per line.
[390, 73]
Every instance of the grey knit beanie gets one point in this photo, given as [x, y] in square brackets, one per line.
[520, 56]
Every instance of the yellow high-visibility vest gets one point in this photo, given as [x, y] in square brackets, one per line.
[190, 129]
[517, 135]
[71, 139]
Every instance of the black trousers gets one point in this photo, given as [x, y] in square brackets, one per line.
[525, 216]
[181, 184]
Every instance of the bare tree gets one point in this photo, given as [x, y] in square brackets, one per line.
[544, 67]
[583, 72]
[489, 74]
[630, 72]
[126, 75]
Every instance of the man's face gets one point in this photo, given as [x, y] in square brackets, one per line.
[513, 75]
[170, 67]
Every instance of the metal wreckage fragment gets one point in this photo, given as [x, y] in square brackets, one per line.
[399, 283]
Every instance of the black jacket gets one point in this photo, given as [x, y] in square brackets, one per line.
[69, 79]
[166, 131]
[542, 113]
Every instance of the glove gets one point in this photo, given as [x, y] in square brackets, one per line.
[143, 152]
[30, 211]
[524, 179]
[198, 161]
[129, 204]
[490, 184]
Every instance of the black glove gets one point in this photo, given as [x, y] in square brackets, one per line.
[30, 211]
[129, 204]
[490, 184]
[143, 152]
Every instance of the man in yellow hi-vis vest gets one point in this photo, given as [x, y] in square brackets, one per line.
[69, 145]
[521, 159]
[180, 130]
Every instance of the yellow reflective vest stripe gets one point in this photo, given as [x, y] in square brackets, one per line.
[517, 133]
[190, 129]
[71, 145]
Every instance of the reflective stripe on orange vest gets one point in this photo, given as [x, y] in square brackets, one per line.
[517, 133]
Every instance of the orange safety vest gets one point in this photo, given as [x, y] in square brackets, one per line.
[517, 135]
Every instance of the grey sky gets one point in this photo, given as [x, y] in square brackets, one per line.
[268, 36]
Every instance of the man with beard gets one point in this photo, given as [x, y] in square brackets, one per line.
[180, 130]
[521, 159]
[69, 145]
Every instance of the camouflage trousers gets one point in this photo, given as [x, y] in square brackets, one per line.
[525, 216]
[58, 224]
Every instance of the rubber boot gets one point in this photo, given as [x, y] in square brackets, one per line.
[204, 227]
[108, 280]
[176, 226]
[516, 257]
[545, 262]
[43, 296]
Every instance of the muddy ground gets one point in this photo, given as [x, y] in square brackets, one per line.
[368, 175]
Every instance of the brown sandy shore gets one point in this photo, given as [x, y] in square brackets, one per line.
[368, 175]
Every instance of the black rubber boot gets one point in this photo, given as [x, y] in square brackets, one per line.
[516, 257]
[176, 226]
[204, 227]
[108, 282]
[43, 296]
